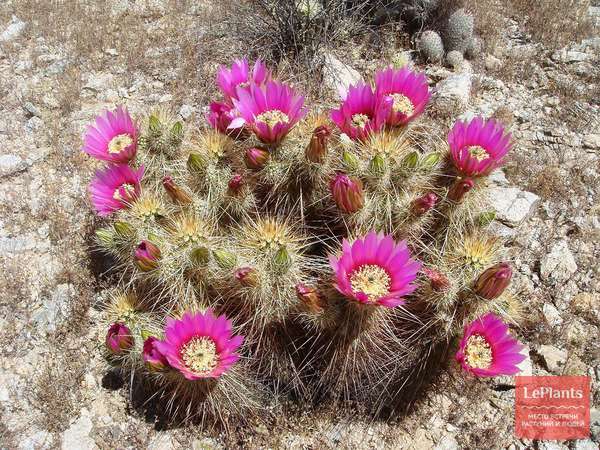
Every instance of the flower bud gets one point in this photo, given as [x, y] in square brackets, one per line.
[350, 160]
[256, 158]
[247, 276]
[225, 259]
[235, 184]
[377, 165]
[146, 256]
[460, 188]
[317, 148]
[347, 193]
[118, 339]
[411, 160]
[423, 204]
[177, 194]
[492, 283]
[153, 358]
[282, 258]
[438, 281]
[310, 298]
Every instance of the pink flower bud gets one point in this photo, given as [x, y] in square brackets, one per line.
[492, 283]
[118, 339]
[425, 203]
[177, 194]
[317, 148]
[438, 281]
[146, 256]
[247, 276]
[235, 184]
[256, 158]
[153, 358]
[310, 298]
[347, 193]
[460, 188]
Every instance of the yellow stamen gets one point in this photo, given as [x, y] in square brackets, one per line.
[273, 117]
[402, 104]
[372, 280]
[478, 352]
[200, 355]
[360, 120]
[479, 153]
[129, 190]
[119, 143]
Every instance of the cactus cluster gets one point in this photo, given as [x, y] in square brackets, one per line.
[335, 256]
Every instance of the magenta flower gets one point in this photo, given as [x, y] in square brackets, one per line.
[116, 187]
[146, 256]
[478, 147]
[239, 76]
[362, 112]
[113, 139]
[408, 91]
[118, 339]
[347, 193]
[220, 117]
[271, 111]
[375, 270]
[200, 345]
[487, 349]
[153, 358]
[256, 158]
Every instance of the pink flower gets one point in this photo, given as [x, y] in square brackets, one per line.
[153, 358]
[113, 139]
[487, 349]
[271, 111]
[347, 193]
[362, 112]
[239, 76]
[375, 270]
[220, 117]
[146, 256]
[256, 158]
[118, 339]
[478, 147]
[200, 345]
[408, 91]
[116, 187]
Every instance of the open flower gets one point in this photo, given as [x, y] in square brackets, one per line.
[220, 117]
[375, 270]
[362, 112]
[118, 339]
[487, 349]
[113, 138]
[153, 358]
[116, 187]
[408, 91]
[240, 76]
[271, 111]
[200, 345]
[478, 147]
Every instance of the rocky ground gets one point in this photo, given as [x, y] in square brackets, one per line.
[55, 390]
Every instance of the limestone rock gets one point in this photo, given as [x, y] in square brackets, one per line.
[339, 76]
[512, 205]
[452, 94]
[559, 264]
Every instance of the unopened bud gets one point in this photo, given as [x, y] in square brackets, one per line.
[310, 298]
[460, 188]
[377, 165]
[118, 339]
[347, 193]
[195, 163]
[492, 283]
[350, 160]
[235, 184]
[247, 276]
[411, 160]
[147, 256]
[225, 259]
[155, 360]
[317, 148]
[423, 204]
[256, 158]
[177, 194]
[105, 237]
[438, 281]
[124, 229]
[282, 258]
[200, 256]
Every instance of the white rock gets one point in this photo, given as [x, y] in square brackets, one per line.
[10, 164]
[447, 442]
[37, 441]
[551, 446]
[552, 314]
[569, 56]
[555, 358]
[452, 94]
[525, 366]
[559, 264]
[511, 204]
[339, 76]
[13, 30]
[54, 309]
[585, 444]
[591, 141]
[77, 436]
[186, 112]
[161, 442]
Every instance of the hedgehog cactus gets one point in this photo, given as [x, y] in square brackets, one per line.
[458, 34]
[345, 252]
[431, 46]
